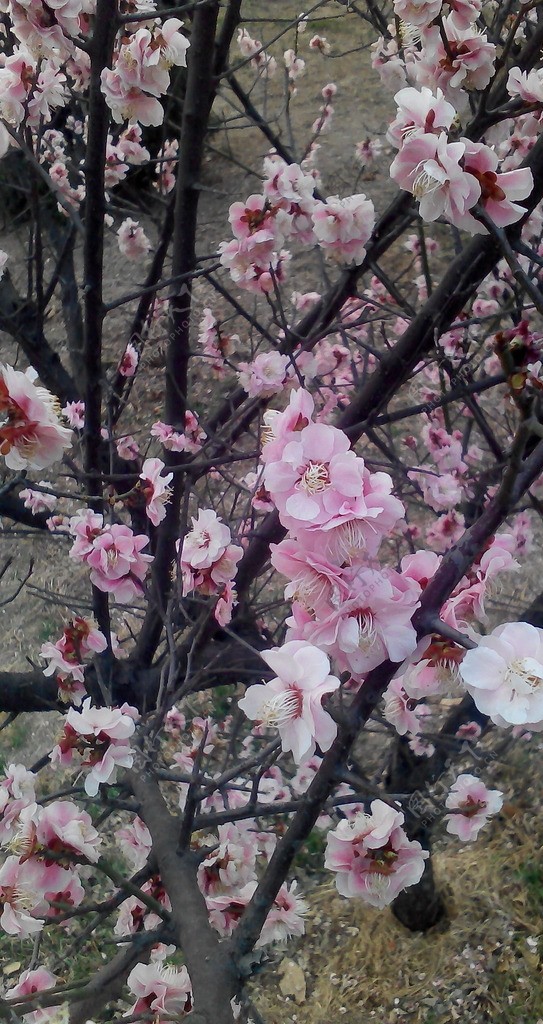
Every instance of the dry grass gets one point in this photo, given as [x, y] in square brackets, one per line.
[483, 965]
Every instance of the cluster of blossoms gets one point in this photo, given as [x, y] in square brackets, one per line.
[31, 434]
[451, 178]
[141, 71]
[99, 737]
[39, 879]
[113, 553]
[208, 562]
[191, 440]
[287, 211]
[79, 639]
[372, 857]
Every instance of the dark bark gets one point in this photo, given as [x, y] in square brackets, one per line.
[211, 968]
[19, 319]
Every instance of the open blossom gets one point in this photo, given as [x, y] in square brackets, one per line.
[100, 736]
[31, 436]
[133, 242]
[155, 489]
[526, 84]
[31, 982]
[419, 113]
[27, 886]
[319, 485]
[343, 226]
[231, 863]
[291, 701]
[466, 63]
[64, 828]
[429, 166]
[400, 710]
[265, 376]
[504, 674]
[161, 990]
[116, 561]
[74, 412]
[474, 804]
[206, 542]
[372, 856]
[371, 623]
[417, 12]
[208, 562]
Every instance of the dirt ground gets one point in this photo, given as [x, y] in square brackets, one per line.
[354, 964]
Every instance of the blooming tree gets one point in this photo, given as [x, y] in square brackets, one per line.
[314, 546]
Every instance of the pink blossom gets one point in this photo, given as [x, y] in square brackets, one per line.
[133, 242]
[75, 414]
[320, 44]
[317, 584]
[31, 982]
[64, 828]
[206, 542]
[429, 166]
[285, 919]
[528, 85]
[295, 65]
[100, 735]
[231, 864]
[417, 12]
[65, 657]
[433, 668]
[254, 264]
[160, 990]
[127, 448]
[504, 674]
[371, 624]
[23, 884]
[215, 342]
[261, 61]
[343, 226]
[155, 489]
[497, 191]
[291, 701]
[30, 435]
[401, 710]
[135, 843]
[282, 427]
[372, 856]
[474, 804]
[85, 526]
[265, 376]
[467, 63]
[117, 564]
[129, 361]
[38, 501]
